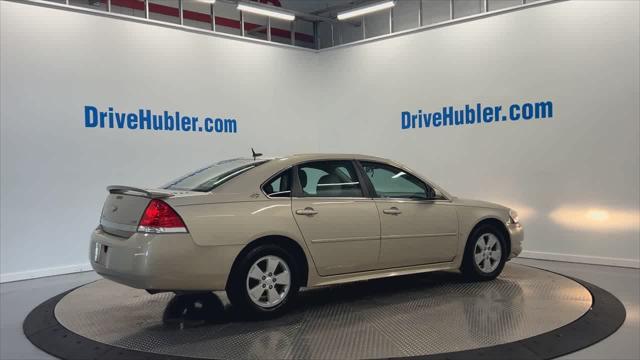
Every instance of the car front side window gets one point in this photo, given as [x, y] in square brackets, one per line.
[391, 182]
[335, 178]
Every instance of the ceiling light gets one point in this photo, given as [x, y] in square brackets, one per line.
[269, 11]
[208, 1]
[365, 10]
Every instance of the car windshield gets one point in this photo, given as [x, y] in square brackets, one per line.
[210, 177]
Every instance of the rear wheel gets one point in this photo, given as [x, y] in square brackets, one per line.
[485, 254]
[265, 282]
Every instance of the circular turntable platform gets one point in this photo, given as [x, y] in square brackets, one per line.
[525, 313]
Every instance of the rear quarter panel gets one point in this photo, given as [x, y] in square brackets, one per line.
[237, 223]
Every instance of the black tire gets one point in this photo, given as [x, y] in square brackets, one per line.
[472, 271]
[237, 285]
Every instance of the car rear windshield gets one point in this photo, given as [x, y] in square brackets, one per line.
[210, 177]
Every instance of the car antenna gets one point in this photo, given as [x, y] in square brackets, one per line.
[255, 154]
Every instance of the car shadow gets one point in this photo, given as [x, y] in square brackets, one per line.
[205, 324]
[201, 309]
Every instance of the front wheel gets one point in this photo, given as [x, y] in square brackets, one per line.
[264, 283]
[485, 254]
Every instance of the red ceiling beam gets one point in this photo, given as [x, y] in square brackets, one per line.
[206, 18]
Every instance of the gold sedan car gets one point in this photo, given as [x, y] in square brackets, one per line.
[262, 228]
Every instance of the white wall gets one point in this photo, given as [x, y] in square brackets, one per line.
[565, 174]
[54, 170]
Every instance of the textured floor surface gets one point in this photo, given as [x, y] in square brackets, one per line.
[413, 315]
[18, 298]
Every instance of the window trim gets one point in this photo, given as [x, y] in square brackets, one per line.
[375, 194]
[273, 177]
[297, 186]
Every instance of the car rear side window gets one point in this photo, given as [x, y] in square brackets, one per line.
[391, 182]
[280, 186]
[336, 178]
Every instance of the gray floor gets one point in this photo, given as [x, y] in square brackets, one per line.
[18, 298]
[386, 318]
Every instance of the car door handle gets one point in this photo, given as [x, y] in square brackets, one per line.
[309, 211]
[392, 211]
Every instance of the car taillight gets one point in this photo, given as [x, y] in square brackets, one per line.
[159, 218]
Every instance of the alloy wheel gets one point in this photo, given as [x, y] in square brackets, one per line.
[268, 281]
[487, 253]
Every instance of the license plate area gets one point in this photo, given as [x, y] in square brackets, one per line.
[100, 253]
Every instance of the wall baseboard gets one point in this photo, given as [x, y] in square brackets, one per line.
[38, 273]
[583, 259]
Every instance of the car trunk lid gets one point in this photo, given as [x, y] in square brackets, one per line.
[124, 207]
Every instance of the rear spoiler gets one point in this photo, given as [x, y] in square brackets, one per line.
[121, 189]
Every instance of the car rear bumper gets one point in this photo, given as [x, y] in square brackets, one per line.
[161, 262]
[516, 233]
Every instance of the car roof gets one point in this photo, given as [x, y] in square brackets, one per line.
[295, 158]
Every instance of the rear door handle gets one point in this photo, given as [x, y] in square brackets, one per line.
[308, 211]
[392, 211]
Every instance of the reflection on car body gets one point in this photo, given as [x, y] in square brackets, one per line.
[262, 228]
